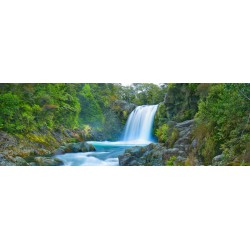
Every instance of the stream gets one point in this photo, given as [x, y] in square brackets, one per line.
[106, 154]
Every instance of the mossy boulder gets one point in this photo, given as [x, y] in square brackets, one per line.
[48, 161]
[75, 148]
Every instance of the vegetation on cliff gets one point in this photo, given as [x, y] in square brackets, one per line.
[222, 120]
[37, 118]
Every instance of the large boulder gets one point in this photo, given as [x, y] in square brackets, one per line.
[75, 148]
[48, 161]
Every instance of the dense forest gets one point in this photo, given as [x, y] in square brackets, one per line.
[25, 108]
[43, 116]
[221, 113]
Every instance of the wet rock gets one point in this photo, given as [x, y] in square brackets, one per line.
[151, 155]
[48, 161]
[75, 148]
[32, 164]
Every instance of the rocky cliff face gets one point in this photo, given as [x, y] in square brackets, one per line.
[180, 104]
[24, 150]
[181, 153]
[122, 110]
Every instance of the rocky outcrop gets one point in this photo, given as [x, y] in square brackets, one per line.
[121, 105]
[151, 155]
[75, 148]
[47, 161]
[122, 109]
[4, 161]
[20, 150]
[156, 154]
[218, 160]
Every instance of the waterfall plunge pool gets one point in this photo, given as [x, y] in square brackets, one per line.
[137, 132]
[106, 153]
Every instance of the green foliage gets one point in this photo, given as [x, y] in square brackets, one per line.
[91, 112]
[160, 116]
[170, 161]
[223, 122]
[9, 108]
[144, 93]
[182, 101]
[162, 133]
[28, 107]
[172, 138]
[221, 111]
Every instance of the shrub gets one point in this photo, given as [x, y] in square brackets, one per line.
[170, 161]
[173, 137]
[162, 133]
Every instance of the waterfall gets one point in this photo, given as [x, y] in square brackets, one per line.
[140, 124]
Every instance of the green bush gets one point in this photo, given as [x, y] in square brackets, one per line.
[170, 161]
[162, 133]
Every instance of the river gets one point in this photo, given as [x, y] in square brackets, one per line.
[137, 132]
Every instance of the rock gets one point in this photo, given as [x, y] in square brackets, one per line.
[194, 143]
[48, 161]
[156, 154]
[75, 148]
[150, 155]
[217, 160]
[136, 151]
[32, 164]
[184, 124]
[41, 151]
[180, 160]
[172, 151]
[120, 105]
[19, 161]
[5, 162]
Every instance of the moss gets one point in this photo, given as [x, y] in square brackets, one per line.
[170, 161]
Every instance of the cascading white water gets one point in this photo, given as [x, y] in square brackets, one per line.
[138, 131]
[140, 124]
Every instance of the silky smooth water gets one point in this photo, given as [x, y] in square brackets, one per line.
[140, 124]
[106, 154]
[138, 132]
